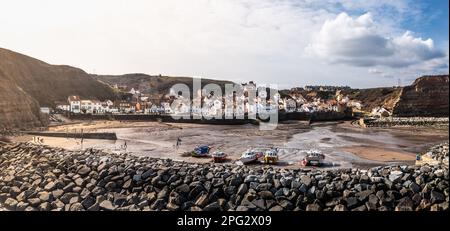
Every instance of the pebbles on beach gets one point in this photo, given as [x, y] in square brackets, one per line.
[43, 178]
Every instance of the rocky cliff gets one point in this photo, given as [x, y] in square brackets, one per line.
[427, 96]
[371, 98]
[27, 83]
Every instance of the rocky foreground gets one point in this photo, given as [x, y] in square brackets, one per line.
[42, 178]
[439, 153]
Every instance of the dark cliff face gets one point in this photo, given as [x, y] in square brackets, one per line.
[17, 108]
[427, 96]
[27, 84]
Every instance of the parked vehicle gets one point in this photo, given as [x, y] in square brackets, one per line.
[313, 158]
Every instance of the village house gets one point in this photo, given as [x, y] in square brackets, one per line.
[123, 106]
[86, 107]
[151, 109]
[74, 103]
[63, 106]
[305, 108]
[107, 106]
[355, 105]
[120, 87]
[289, 105]
[134, 92]
[380, 112]
[45, 110]
[97, 107]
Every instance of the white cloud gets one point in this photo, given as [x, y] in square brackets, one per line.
[347, 37]
[375, 71]
[261, 40]
[360, 42]
[378, 72]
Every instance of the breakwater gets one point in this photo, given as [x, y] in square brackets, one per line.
[282, 116]
[160, 118]
[406, 122]
[43, 178]
[88, 135]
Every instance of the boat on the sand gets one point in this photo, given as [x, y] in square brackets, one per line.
[201, 151]
[313, 157]
[219, 156]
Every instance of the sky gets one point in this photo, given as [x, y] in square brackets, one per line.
[289, 43]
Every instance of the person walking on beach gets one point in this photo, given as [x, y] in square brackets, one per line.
[178, 142]
[125, 146]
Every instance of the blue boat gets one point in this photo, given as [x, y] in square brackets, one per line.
[201, 151]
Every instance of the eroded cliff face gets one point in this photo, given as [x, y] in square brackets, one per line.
[27, 84]
[371, 98]
[49, 83]
[427, 96]
[17, 108]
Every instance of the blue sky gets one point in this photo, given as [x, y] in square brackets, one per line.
[290, 43]
[436, 26]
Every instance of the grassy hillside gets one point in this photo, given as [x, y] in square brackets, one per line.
[151, 84]
[27, 83]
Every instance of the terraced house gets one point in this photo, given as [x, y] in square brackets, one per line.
[74, 103]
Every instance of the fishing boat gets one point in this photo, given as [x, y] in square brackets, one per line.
[313, 157]
[271, 156]
[250, 156]
[219, 156]
[201, 151]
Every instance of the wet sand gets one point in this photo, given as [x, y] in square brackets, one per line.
[344, 145]
[381, 154]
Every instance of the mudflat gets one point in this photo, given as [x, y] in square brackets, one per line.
[344, 145]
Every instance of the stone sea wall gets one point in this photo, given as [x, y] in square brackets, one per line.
[88, 135]
[42, 178]
[282, 116]
[407, 122]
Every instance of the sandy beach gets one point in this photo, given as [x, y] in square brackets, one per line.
[381, 154]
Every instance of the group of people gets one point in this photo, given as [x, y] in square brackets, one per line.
[124, 146]
[38, 140]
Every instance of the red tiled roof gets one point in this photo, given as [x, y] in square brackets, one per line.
[74, 98]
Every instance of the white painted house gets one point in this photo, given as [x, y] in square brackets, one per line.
[87, 106]
[63, 107]
[97, 107]
[45, 110]
[74, 103]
